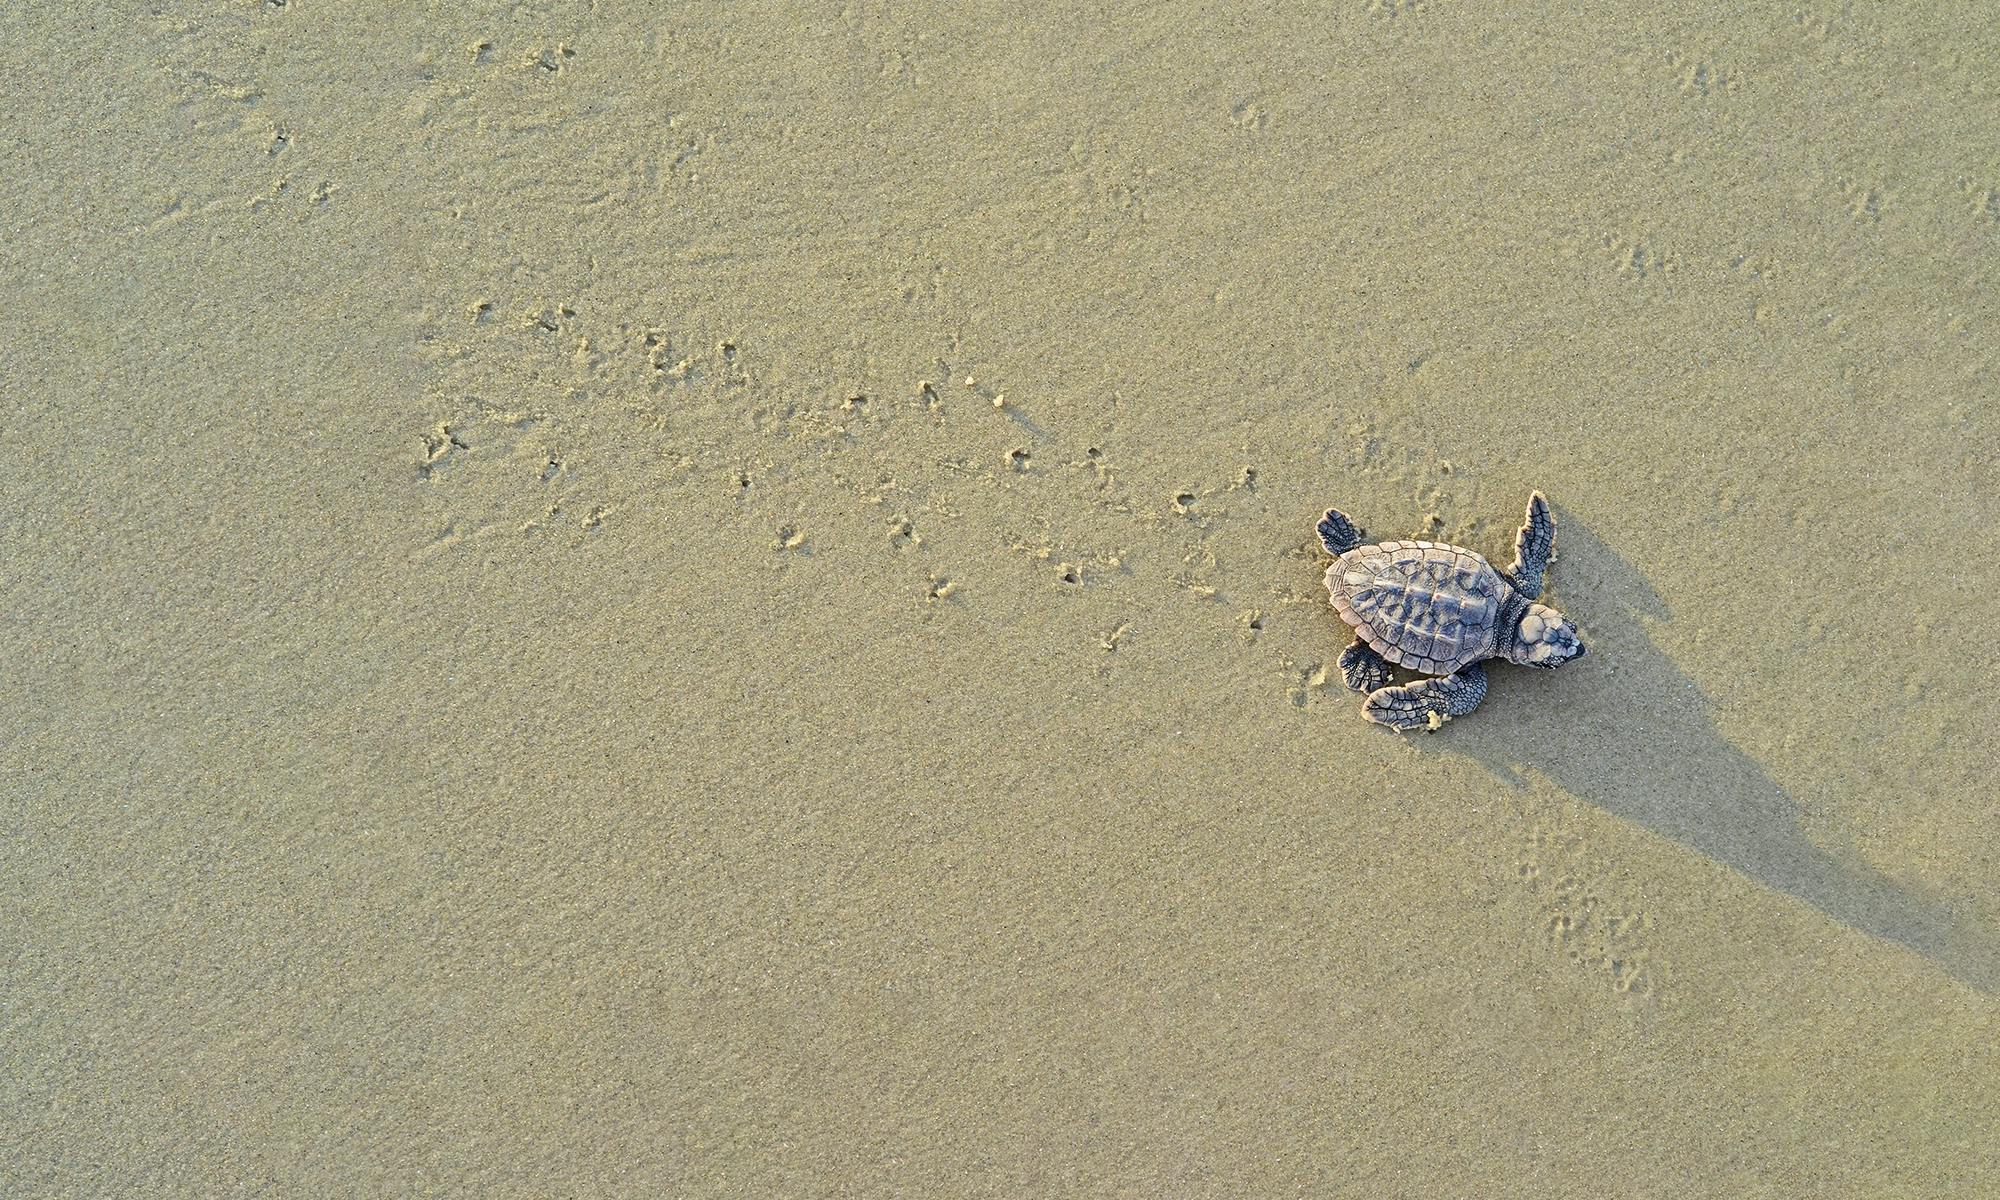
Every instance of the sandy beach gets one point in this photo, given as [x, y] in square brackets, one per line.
[724, 603]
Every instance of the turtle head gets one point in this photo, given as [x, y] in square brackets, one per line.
[1544, 638]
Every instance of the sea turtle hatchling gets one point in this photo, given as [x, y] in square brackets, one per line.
[1440, 610]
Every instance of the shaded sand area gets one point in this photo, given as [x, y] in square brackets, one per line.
[726, 606]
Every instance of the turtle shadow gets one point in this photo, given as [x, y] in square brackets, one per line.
[1633, 735]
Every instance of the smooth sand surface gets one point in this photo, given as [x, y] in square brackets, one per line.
[724, 604]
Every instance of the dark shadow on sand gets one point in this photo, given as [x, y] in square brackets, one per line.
[1635, 738]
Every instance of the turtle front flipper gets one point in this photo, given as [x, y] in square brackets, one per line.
[1533, 547]
[1428, 703]
[1338, 533]
[1362, 669]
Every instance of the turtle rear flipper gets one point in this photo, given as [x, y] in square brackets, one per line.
[1362, 669]
[1533, 547]
[1338, 532]
[1428, 703]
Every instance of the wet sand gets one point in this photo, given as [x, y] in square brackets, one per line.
[727, 606]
